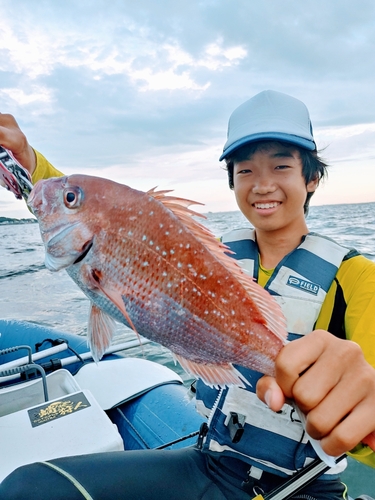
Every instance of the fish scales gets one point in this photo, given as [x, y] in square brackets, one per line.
[156, 282]
[142, 259]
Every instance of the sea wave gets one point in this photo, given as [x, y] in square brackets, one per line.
[13, 273]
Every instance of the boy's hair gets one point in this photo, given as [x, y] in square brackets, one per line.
[313, 167]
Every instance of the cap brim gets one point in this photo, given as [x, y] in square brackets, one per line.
[275, 136]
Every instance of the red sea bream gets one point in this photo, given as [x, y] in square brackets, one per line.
[143, 260]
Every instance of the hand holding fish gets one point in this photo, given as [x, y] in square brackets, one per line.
[13, 139]
[331, 382]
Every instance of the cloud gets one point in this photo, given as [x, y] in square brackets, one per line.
[143, 90]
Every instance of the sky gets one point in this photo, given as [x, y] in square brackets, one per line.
[141, 91]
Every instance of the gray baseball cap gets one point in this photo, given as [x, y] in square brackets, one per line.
[270, 115]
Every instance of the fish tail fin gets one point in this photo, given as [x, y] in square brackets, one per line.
[100, 330]
[213, 375]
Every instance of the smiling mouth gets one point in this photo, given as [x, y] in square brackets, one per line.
[267, 205]
[87, 247]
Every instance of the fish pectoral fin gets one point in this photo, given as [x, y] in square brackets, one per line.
[211, 374]
[112, 294]
[100, 331]
[116, 298]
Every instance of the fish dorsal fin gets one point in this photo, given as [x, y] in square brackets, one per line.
[274, 318]
[179, 206]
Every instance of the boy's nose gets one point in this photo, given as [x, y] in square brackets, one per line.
[263, 184]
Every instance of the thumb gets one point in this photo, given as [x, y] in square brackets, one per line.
[270, 393]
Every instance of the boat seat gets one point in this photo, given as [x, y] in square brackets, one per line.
[138, 376]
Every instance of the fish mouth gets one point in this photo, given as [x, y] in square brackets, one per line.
[58, 233]
[66, 245]
[86, 249]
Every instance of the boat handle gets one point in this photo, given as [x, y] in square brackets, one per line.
[26, 368]
[17, 348]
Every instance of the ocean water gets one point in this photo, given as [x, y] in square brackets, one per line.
[30, 292]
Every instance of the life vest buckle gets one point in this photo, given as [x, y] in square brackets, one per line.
[236, 425]
[202, 434]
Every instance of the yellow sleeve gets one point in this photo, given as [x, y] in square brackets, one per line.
[363, 454]
[357, 279]
[44, 169]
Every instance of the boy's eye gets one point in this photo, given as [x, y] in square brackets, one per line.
[282, 167]
[244, 171]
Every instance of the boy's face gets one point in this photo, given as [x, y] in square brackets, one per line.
[270, 189]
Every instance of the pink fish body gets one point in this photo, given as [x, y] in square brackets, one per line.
[143, 260]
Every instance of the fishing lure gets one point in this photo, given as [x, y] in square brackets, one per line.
[14, 176]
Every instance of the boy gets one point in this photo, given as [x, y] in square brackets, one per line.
[322, 287]
[274, 169]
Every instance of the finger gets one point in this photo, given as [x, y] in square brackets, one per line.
[309, 368]
[10, 133]
[334, 408]
[335, 383]
[345, 436]
[13, 139]
[270, 393]
[8, 120]
[296, 358]
[354, 389]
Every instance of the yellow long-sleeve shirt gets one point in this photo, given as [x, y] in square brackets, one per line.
[44, 169]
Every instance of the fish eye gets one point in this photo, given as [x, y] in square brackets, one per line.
[72, 197]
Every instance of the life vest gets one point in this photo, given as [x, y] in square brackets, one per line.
[275, 442]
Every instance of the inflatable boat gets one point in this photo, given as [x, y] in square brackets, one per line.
[59, 402]
[55, 401]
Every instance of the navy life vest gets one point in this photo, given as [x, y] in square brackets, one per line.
[275, 442]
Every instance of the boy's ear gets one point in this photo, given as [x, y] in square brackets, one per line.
[312, 185]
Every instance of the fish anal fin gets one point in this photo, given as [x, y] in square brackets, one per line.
[211, 374]
[101, 328]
